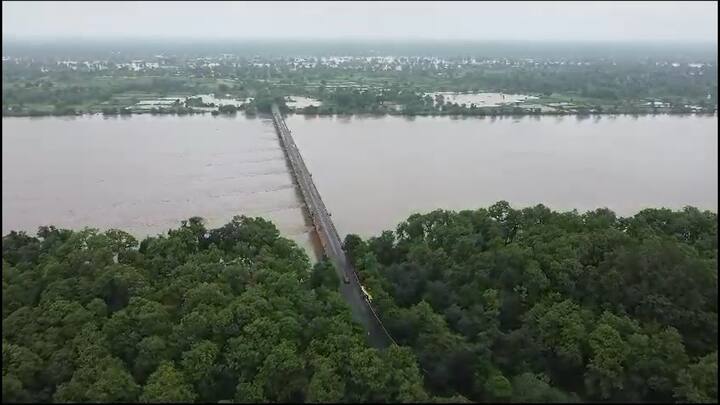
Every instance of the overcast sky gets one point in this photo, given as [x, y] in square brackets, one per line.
[624, 21]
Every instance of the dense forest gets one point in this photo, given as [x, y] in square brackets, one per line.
[495, 304]
[533, 305]
[233, 314]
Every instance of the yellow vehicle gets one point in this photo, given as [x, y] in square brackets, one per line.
[366, 294]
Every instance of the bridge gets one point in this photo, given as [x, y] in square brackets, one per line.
[350, 288]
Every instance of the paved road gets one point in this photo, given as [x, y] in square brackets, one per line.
[362, 311]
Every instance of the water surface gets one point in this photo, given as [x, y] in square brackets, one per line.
[301, 102]
[374, 172]
[145, 173]
[481, 99]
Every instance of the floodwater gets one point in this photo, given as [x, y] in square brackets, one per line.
[374, 172]
[149, 104]
[482, 99]
[213, 99]
[145, 173]
[301, 102]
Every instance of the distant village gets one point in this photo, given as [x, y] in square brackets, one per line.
[364, 63]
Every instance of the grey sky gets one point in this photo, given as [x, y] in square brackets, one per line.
[639, 21]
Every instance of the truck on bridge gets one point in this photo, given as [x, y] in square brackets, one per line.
[366, 294]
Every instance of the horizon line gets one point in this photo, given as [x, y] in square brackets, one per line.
[83, 38]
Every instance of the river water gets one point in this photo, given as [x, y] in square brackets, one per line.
[375, 172]
[147, 173]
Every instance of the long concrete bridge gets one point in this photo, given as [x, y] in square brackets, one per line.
[362, 310]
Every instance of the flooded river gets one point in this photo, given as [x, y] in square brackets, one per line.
[146, 173]
[375, 172]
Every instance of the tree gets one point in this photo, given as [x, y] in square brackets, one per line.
[605, 373]
[405, 384]
[199, 364]
[20, 371]
[699, 382]
[528, 387]
[324, 275]
[653, 362]
[152, 350]
[283, 374]
[326, 384]
[167, 384]
[12, 389]
[498, 388]
[227, 109]
[249, 393]
[22, 363]
[561, 330]
[103, 381]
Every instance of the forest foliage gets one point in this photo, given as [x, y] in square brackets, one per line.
[533, 305]
[231, 314]
[490, 305]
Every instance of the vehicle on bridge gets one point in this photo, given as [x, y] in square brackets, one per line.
[367, 295]
[346, 279]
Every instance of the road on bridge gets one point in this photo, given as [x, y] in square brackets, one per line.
[362, 310]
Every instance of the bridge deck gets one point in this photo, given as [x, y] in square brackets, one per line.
[362, 310]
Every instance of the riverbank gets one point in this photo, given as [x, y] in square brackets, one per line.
[371, 114]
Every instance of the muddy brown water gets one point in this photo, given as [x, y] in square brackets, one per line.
[147, 173]
[375, 172]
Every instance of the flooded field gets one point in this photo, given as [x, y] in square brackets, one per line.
[482, 99]
[218, 101]
[149, 104]
[302, 102]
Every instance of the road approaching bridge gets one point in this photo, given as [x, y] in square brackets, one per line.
[350, 287]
